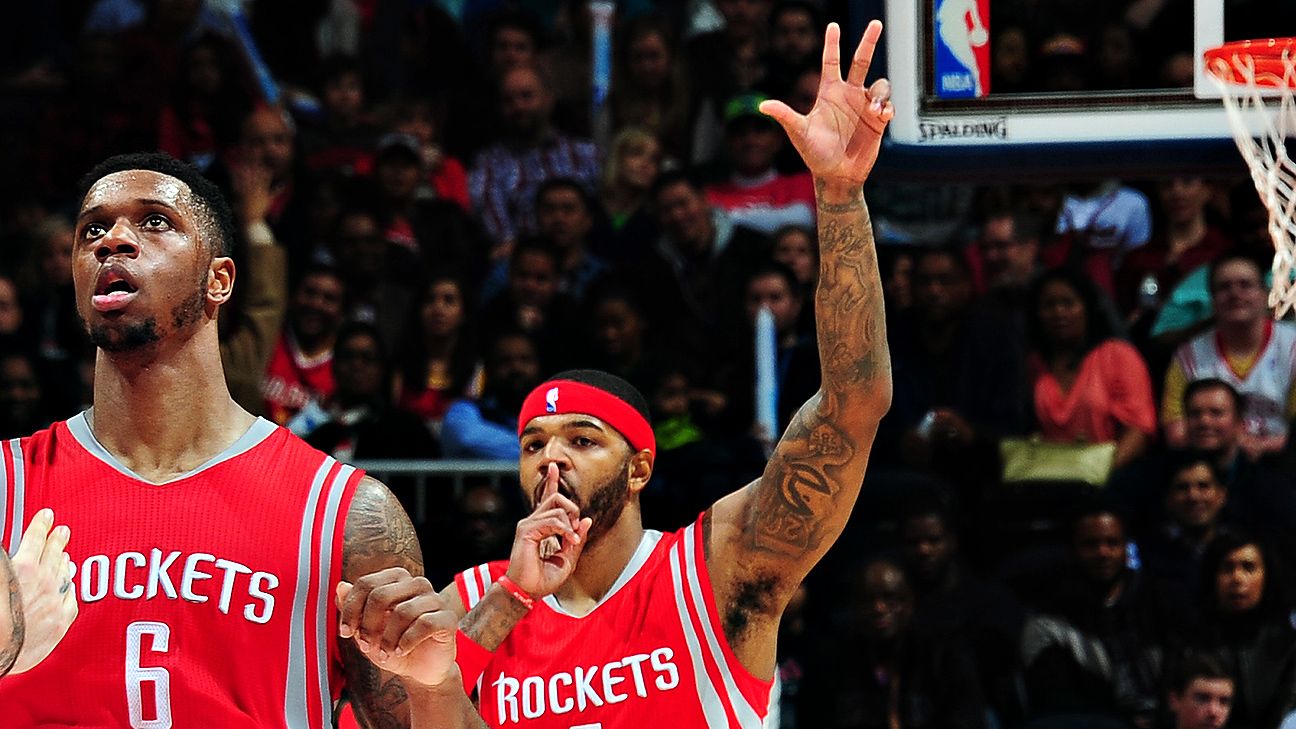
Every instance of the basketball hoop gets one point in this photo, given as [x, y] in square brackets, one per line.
[1248, 73]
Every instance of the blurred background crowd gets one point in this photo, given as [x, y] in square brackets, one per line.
[1078, 510]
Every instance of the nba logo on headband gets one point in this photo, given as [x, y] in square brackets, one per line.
[551, 400]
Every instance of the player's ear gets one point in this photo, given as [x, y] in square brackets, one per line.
[220, 280]
[640, 470]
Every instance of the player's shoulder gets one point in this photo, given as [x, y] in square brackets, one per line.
[42, 446]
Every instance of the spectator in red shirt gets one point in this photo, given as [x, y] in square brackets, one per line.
[1185, 242]
[757, 194]
[438, 362]
[301, 366]
[1088, 385]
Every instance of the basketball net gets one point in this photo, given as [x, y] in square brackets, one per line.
[1247, 74]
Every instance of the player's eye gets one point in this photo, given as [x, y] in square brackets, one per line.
[583, 442]
[157, 222]
[92, 230]
[532, 446]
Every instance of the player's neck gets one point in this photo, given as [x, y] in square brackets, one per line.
[601, 564]
[166, 415]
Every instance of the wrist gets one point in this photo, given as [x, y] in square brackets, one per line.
[515, 592]
[838, 192]
[451, 683]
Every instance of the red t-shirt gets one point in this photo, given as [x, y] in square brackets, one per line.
[292, 379]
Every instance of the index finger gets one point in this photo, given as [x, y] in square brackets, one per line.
[864, 54]
[551, 483]
[35, 536]
[831, 55]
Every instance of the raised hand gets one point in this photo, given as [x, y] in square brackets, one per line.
[839, 139]
[44, 574]
[548, 542]
[400, 624]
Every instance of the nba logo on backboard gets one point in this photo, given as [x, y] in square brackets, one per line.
[962, 58]
[551, 400]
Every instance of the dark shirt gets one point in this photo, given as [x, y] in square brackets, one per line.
[982, 378]
[938, 688]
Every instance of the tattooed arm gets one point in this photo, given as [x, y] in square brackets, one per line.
[764, 539]
[385, 602]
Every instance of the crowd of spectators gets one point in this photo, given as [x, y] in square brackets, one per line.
[432, 221]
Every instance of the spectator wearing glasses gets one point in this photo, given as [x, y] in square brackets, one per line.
[1246, 349]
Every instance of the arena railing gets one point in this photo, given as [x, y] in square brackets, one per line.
[458, 471]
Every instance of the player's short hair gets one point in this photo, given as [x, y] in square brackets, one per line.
[1214, 383]
[216, 219]
[1196, 666]
[609, 383]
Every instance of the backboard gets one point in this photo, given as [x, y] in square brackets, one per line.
[951, 63]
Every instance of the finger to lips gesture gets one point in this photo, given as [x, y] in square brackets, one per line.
[839, 139]
[44, 573]
[548, 542]
[400, 624]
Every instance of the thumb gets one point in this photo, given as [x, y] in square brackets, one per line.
[787, 118]
[340, 594]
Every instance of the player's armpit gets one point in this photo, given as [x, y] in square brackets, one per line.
[378, 535]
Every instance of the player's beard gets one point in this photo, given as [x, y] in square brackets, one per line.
[606, 504]
[137, 335]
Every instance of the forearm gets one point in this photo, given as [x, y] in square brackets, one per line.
[801, 503]
[492, 619]
[849, 314]
[443, 707]
[1130, 444]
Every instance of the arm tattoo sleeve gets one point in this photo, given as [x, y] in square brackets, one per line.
[805, 495]
[378, 535]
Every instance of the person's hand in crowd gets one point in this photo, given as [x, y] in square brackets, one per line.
[549, 541]
[401, 624]
[530, 318]
[1258, 446]
[433, 156]
[253, 189]
[840, 138]
[44, 574]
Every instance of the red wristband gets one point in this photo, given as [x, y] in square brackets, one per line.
[518, 593]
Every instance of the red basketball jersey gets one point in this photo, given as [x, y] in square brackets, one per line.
[292, 379]
[652, 652]
[206, 601]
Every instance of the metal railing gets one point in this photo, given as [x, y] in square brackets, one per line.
[457, 470]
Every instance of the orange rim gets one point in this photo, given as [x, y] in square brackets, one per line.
[1231, 62]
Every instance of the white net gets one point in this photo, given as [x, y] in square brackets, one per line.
[1262, 114]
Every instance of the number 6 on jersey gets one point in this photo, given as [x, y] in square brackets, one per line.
[137, 676]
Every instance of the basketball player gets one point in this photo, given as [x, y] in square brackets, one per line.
[622, 627]
[37, 604]
[214, 549]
